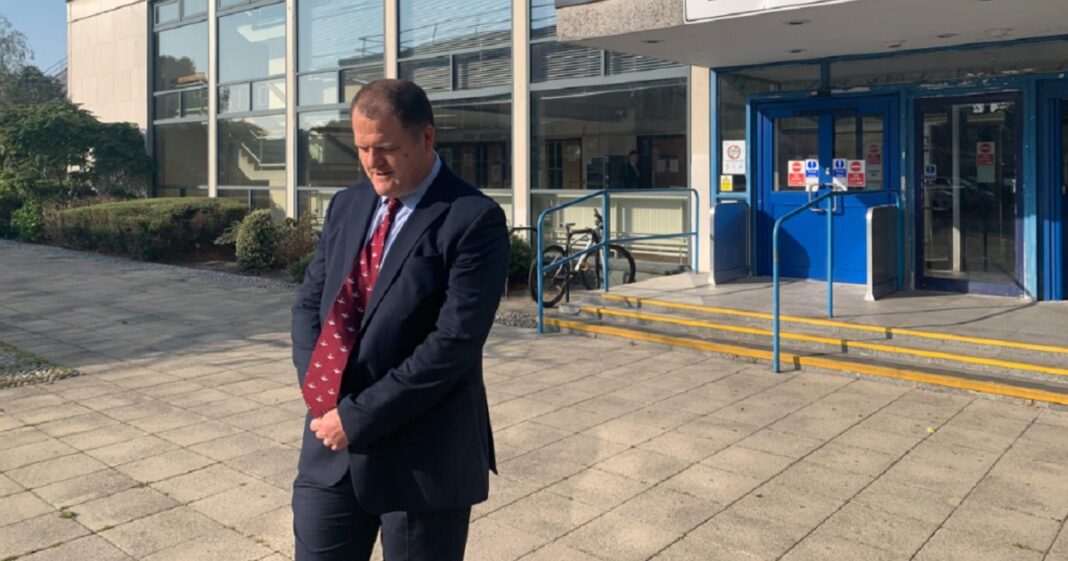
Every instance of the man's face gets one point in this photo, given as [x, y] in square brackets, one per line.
[633, 159]
[394, 159]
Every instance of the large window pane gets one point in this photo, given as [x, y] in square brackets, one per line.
[474, 138]
[182, 155]
[555, 61]
[252, 151]
[484, 69]
[542, 19]
[182, 57]
[315, 201]
[440, 26]
[581, 137]
[335, 33]
[318, 89]
[327, 155]
[273, 199]
[252, 44]
[432, 74]
[620, 63]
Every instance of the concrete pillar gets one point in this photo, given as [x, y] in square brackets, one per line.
[521, 113]
[213, 100]
[701, 146]
[392, 38]
[291, 108]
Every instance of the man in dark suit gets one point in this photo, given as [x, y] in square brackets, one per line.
[388, 330]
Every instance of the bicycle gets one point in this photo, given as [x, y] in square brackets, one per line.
[587, 268]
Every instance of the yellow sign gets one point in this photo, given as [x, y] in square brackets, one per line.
[726, 183]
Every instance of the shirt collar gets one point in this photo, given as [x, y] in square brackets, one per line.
[411, 200]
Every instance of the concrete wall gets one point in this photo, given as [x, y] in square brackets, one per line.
[616, 17]
[107, 53]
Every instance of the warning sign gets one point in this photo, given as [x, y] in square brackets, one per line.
[985, 155]
[875, 155]
[856, 178]
[726, 183]
[812, 173]
[795, 176]
[734, 157]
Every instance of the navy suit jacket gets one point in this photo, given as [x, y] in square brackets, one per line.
[412, 401]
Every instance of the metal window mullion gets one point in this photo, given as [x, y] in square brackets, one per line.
[291, 108]
[213, 99]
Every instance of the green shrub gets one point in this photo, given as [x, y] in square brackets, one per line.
[519, 260]
[27, 222]
[298, 268]
[148, 229]
[296, 239]
[257, 241]
[10, 201]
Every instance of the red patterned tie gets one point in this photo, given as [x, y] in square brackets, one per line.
[322, 382]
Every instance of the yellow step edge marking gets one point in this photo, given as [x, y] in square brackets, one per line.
[842, 324]
[844, 343]
[826, 363]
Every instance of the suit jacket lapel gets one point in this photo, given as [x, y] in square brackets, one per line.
[353, 230]
[433, 203]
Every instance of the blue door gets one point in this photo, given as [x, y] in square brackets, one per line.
[1053, 192]
[821, 133]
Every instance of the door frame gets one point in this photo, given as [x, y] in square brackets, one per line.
[766, 111]
[1053, 279]
[968, 286]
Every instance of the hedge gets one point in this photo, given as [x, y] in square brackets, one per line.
[148, 229]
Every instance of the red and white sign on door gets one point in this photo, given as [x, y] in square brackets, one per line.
[796, 173]
[875, 155]
[985, 154]
[856, 178]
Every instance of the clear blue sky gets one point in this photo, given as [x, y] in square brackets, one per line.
[44, 22]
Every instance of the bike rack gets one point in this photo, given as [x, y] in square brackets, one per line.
[831, 194]
[606, 199]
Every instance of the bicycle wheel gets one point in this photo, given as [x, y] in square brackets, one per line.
[621, 268]
[554, 279]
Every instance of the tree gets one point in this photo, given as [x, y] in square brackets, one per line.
[58, 146]
[29, 86]
[14, 49]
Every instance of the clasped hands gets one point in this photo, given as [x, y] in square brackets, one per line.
[328, 429]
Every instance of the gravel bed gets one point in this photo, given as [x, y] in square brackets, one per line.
[19, 368]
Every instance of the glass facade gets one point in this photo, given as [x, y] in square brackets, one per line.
[459, 52]
[581, 138]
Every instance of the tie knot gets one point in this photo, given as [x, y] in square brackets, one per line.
[393, 205]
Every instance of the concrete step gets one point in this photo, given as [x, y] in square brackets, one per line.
[951, 368]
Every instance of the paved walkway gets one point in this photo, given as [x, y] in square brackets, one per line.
[180, 442]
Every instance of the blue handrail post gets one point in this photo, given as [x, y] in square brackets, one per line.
[539, 259]
[775, 296]
[830, 256]
[605, 206]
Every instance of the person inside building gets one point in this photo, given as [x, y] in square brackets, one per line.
[631, 172]
[388, 332]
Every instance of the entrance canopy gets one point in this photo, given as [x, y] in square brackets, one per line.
[726, 33]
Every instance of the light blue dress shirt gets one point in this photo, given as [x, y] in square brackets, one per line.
[408, 204]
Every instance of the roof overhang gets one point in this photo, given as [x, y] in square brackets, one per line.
[726, 33]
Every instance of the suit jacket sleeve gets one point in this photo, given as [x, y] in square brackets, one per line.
[305, 327]
[446, 355]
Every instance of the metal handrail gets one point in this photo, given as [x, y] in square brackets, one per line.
[606, 199]
[830, 258]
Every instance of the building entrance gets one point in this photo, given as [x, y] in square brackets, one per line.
[969, 223]
[801, 143]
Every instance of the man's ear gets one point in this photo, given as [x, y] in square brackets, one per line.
[428, 136]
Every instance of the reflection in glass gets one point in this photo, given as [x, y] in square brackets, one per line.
[234, 99]
[542, 19]
[442, 26]
[315, 201]
[252, 44]
[273, 199]
[194, 7]
[355, 78]
[335, 33]
[252, 151]
[318, 89]
[581, 137]
[969, 205]
[181, 57]
[269, 94]
[168, 106]
[181, 152]
[557, 61]
[432, 74]
[195, 102]
[167, 12]
[483, 69]
[474, 138]
[326, 152]
[796, 139]
[861, 139]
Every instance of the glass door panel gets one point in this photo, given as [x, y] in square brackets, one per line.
[969, 194]
[796, 138]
